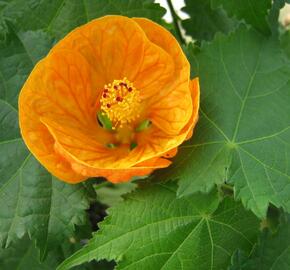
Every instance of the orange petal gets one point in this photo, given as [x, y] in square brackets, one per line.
[113, 46]
[37, 137]
[126, 175]
[155, 72]
[170, 106]
[195, 94]
[155, 141]
[114, 175]
[171, 153]
[165, 40]
[60, 88]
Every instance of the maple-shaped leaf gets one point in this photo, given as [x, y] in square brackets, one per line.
[272, 251]
[253, 12]
[153, 229]
[243, 135]
[205, 21]
[58, 17]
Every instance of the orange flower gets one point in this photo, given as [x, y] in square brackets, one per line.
[112, 99]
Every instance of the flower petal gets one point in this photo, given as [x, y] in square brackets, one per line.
[195, 95]
[157, 70]
[170, 106]
[154, 141]
[113, 46]
[32, 102]
[114, 175]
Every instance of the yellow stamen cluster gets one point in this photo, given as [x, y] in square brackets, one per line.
[120, 101]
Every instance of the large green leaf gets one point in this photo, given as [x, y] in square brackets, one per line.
[244, 130]
[58, 17]
[205, 21]
[285, 43]
[253, 12]
[33, 201]
[153, 229]
[112, 194]
[240, 261]
[273, 250]
[23, 255]
[271, 253]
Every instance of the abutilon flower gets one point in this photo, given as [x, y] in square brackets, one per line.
[111, 99]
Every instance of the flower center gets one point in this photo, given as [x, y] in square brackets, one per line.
[120, 101]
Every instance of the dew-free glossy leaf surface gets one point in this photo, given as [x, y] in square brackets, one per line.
[58, 17]
[273, 250]
[243, 135]
[285, 43]
[23, 255]
[153, 229]
[205, 21]
[240, 261]
[253, 12]
[271, 253]
[112, 194]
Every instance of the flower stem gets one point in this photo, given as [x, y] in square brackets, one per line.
[228, 187]
[103, 184]
[176, 21]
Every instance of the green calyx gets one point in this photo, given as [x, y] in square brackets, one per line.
[143, 125]
[104, 121]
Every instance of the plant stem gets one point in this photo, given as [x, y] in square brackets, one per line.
[176, 20]
[101, 185]
[226, 186]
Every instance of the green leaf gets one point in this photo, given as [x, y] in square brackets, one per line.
[253, 12]
[58, 17]
[272, 251]
[111, 194]
[153, 229]
[285, 43]
[243, 135]
[23, 255]
[18, 55]
[33, 201]
[240, 261]
[205, 21]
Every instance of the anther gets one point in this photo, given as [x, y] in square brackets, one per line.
[120, 101]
